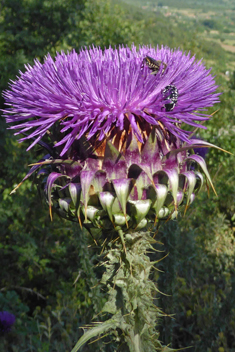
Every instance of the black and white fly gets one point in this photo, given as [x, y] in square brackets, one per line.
[171, 94]
[154, 65]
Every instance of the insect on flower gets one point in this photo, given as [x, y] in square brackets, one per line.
[170, 93]
[154, 65]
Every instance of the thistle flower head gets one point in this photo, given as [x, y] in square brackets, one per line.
[98, 94]
[6, 321]
[118, 155]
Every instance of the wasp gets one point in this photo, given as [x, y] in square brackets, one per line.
[154, 65]
[171, 94]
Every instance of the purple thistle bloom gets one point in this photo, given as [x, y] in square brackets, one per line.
[6, 321]
[99, 93]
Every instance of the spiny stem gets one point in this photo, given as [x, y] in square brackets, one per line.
[131, 290]
[132, 313]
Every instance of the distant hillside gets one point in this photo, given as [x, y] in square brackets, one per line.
[205, 28]
[225, 4]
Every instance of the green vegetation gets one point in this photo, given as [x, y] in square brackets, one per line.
[48, 274]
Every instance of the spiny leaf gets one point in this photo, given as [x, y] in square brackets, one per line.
[95, 331]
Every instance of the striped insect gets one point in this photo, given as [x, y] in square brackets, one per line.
[171, 94]
[154, 65]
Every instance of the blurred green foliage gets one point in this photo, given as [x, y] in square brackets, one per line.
[48, 275]
[105, 25]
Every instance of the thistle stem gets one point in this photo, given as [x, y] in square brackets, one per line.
[130, 305]
[131, 291]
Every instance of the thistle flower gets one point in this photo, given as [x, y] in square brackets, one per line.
[95, 92]
[118, 155]
[118, 159]
[6, 321]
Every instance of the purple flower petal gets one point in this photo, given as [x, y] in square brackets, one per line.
[92, 92]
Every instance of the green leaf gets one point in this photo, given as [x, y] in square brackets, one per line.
[95, 331]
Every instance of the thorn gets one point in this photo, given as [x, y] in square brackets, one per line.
[159, 260]
[80, 223]
[213, 113]
[104, 242]
[50, 212]
[39, 163]
[155, 233]
[185, 209]
[94, 239]
[79, 219]
[213, 190]
[126, 221]
[13, 191]
[155, 221]
[197, 128]
[169, 217]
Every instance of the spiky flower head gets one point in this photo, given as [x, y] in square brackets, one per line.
[94, 92]
[6, 321]
[118, 155]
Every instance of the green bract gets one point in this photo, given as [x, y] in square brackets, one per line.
[128, 189]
